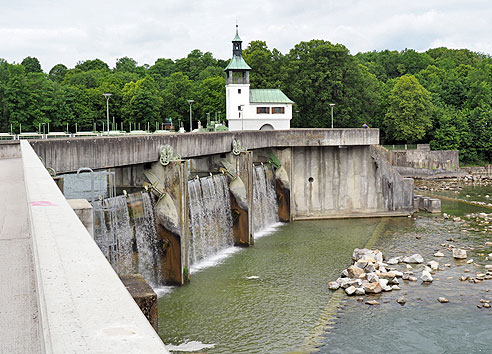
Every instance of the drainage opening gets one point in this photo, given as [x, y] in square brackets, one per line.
[311, 179]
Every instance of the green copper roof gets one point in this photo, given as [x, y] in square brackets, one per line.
[237, 63]
[237, 39]
[268, 96]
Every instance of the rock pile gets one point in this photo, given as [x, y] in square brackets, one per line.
[370, 274]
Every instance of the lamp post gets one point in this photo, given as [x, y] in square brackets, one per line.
[191, 102]
[332, 105]
[107, 95]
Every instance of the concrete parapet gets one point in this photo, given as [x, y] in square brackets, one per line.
[423, 203]
[67, 155]
[83, 305]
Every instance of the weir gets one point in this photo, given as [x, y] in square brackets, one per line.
[247, 181]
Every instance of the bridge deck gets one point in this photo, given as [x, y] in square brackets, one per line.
[18, 301]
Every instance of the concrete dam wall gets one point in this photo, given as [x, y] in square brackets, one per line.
[350, 182]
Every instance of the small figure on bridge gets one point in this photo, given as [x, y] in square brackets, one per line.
[365, 126]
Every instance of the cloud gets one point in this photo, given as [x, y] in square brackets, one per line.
[58, 31]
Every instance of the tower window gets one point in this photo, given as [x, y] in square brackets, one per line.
[239, 91]
[238, 108]
[262, 110]
[278, 110]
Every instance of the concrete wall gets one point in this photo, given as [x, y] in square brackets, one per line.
[83, 306]
[352, 181]
[433, 160]
[9, 149]
[67, 155]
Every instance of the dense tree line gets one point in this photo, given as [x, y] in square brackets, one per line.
[442, 96]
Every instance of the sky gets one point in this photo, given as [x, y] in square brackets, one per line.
[62, 31]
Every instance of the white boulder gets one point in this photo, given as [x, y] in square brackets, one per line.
[426, 276]
[414, 258]
[459, 253]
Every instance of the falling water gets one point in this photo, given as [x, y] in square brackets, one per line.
[265, 209]
[116, 234]
[146, 237]
[112, 232]
[210, 217]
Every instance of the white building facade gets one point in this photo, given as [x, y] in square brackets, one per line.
[252, 109]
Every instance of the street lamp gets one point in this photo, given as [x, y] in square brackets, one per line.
[332, 105]
[107, 95]
[190, 102]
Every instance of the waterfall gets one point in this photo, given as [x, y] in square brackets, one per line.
[145, 237]
[122, 225]
[265, 209]
[112, 232]
[210, 217]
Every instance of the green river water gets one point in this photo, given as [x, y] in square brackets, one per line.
[274, 297]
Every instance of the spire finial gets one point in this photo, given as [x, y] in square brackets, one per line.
[237, 28]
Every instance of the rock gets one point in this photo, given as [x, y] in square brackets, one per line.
[427, 269]
[486, 305]
[354, 272]
[360, 291]
[386, 275]
[372, 288]
[395, 287]
[438, 254]
[370, 268]
[333, 285]
[372, 302]
[382, 269]
[350, 290]
[372, 277]
[397, 273]
[447, 265]
[488, 266]
[383, 283]
[445, 216]
[469, 261]
[387, 288]
[463, 278]
[361, 264]
[401, 300]
[409, 266]
[415, 258]
[442, 300]
[367, 254]
[426, 276]
[483, 301]
[457, 219]
[459, 253]
[345, 273]
[412, 278]
[434, 265]
[344, 282]
[405, 276]
[393, 261]
[394, 281]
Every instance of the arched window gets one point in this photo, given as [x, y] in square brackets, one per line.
[267, 127]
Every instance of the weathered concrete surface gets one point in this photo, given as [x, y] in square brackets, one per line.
[144, 296]
[67, 155]
[19, 330]
[356, 181]
[447, 160]
[83, 306]
[83, 209]
[9, 149]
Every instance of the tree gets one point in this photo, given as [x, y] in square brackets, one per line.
[96, 64]
[32, 65]
[141, 102]
[265, 67]
[409, 116]
[125, 64]
[58, 72]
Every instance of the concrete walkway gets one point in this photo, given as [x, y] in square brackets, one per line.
[19, 331]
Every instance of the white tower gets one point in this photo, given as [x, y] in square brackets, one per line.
[237, 86]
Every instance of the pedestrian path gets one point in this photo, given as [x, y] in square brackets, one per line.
[19, 331]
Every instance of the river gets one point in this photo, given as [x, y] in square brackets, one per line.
[274, 297]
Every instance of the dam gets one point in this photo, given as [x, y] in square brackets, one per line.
[200, 186]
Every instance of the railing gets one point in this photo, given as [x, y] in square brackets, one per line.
[401, 147]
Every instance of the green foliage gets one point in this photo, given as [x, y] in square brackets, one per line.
[32, 65]
[442, 96]
[409, 115]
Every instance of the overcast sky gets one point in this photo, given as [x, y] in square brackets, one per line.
[62, 31]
